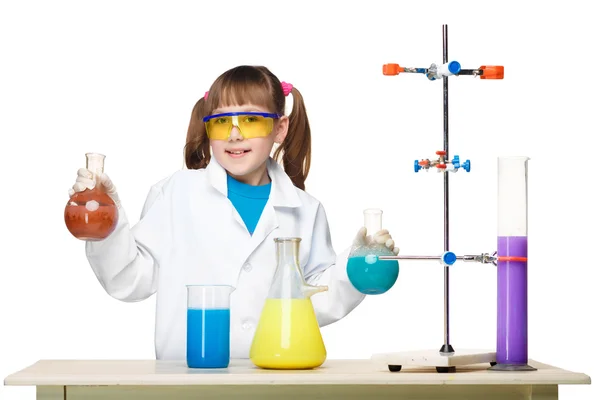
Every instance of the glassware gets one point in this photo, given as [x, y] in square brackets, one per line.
[91, 214]
[208, 326]
[366, 272]
[288, 334]
[511, 340]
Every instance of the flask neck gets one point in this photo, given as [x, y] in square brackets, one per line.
[95, 163]
[372, 220]
[288, 250]
[288, 281]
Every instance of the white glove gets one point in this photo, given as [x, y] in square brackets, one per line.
[380, 237]
[85, 181]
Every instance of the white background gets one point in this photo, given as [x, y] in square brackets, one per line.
[122, 77]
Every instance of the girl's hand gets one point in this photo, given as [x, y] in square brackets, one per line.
[381, 237]
[85, 180]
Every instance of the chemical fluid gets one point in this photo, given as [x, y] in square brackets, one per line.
[91, 215]
[288, 336]
[512, 301]
[372, 278]
[208, 338]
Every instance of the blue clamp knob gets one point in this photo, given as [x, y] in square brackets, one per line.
[417, 166]
[456, 162]
[448, 258]
[467, 165]
[454, 67]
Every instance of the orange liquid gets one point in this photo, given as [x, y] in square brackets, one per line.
[288, 336]
[91, 215]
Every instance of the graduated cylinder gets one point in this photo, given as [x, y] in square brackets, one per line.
[511, 341]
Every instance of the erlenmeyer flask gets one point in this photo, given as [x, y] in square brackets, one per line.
[288, 334]
[368, 274]
[91, 215]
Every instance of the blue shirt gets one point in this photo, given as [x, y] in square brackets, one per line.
[248, 200]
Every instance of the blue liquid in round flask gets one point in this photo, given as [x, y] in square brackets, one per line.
[367, 273]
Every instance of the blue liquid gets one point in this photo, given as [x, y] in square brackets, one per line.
[372, 278]
[208, 338]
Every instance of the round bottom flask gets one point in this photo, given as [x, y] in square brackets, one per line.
[92, 214]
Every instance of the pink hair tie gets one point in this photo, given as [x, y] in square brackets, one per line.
[205, 95]
[287, 88]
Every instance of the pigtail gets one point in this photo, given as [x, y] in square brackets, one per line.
[197, 145]
[296, 147]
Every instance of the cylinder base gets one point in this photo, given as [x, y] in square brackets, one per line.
[512, 367]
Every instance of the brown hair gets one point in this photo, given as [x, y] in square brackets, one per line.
[258, 86]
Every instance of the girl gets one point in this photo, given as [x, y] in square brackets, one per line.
[214, 223]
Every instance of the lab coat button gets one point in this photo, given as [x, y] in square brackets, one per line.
[247, 324]
[247, 267]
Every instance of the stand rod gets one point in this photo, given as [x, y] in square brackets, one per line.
[446, 348]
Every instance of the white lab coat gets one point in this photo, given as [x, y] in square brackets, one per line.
[190, 233]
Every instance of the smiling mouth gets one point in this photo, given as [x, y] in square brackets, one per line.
[237, 152]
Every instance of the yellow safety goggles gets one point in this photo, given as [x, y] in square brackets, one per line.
[250, 124]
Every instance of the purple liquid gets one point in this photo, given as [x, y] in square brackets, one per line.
[511, 341]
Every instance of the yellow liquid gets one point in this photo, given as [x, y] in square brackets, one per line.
[288, 336]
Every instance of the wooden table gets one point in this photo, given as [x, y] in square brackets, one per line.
[336, 379]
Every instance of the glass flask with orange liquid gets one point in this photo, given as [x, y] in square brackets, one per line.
[91, 215]
[288, 334]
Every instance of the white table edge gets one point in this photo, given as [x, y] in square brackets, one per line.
[25, 377]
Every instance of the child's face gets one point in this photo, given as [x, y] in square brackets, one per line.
[245, 159]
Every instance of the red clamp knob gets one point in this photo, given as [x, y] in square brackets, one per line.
[392, 69]
[492, 72]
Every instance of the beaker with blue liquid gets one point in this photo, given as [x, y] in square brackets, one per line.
[366, 271]
[208, 326]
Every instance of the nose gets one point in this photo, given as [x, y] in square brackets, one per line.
[235, 134]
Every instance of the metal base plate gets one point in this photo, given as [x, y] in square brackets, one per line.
[444, 362]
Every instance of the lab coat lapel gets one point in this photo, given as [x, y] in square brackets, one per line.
[217, 177]
[283, 194]
[268, 220]
[283, 191]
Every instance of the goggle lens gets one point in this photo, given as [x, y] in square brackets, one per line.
[250, 124]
